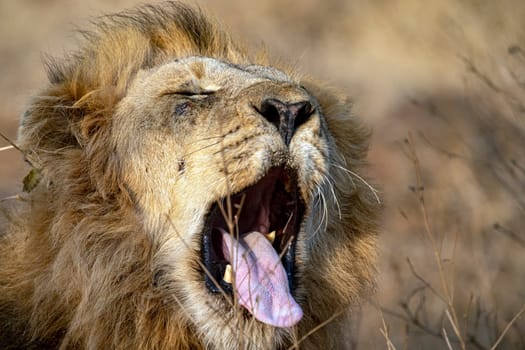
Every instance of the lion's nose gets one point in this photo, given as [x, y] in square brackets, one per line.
[287, 117]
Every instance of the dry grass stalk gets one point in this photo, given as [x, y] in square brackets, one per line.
[447, 294]
[507, 327]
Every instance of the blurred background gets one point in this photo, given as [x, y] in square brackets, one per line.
[442, 84]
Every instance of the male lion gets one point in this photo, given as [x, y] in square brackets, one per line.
[190, 197]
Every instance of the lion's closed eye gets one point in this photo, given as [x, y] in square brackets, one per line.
[193, 94]
[192, 90]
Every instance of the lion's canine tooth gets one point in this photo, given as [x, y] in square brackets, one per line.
[270, 236]
[228, 276]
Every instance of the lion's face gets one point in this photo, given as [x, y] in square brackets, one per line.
[226, 157]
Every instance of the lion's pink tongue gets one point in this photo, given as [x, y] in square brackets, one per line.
[260, 280]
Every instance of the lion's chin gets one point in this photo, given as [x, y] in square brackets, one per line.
[248, 248]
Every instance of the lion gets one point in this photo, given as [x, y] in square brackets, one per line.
[190, 195]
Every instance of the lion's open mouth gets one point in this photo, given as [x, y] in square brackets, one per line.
[248, 247]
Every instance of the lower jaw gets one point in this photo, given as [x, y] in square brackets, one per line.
[241, 331]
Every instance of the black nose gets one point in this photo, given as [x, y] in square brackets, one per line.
[287, 117]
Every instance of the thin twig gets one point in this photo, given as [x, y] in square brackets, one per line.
[514, 319]
[16, 196]
[26, 158]
[11, 143]
[510, 234]
[385, 333]
[419, 190]
[316, 328]
[445, 335]
[6, 148]
[425, 282]
[453, 323]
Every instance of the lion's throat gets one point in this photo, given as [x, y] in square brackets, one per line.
[260, 280]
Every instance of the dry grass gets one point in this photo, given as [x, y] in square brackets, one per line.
[443, 85]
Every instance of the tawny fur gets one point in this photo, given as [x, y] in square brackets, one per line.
[87, 262]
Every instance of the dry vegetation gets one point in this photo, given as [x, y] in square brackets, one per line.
[443, 85]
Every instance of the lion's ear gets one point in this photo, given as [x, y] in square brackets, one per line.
[66, 130]
[64, 116]
[350, 134]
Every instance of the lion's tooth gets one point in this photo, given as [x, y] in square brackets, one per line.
[228, 277]
[270, 236]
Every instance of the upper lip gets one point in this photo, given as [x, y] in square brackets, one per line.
[271, 204]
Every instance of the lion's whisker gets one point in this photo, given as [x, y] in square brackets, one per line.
[350, 172]
[207, 139]
[328, 179]
[320, 202]
[201, 149]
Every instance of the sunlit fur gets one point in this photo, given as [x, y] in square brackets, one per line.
[104, 252]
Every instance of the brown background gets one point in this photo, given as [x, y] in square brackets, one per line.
[449, 73]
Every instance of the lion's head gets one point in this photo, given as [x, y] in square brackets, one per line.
[190, 195]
